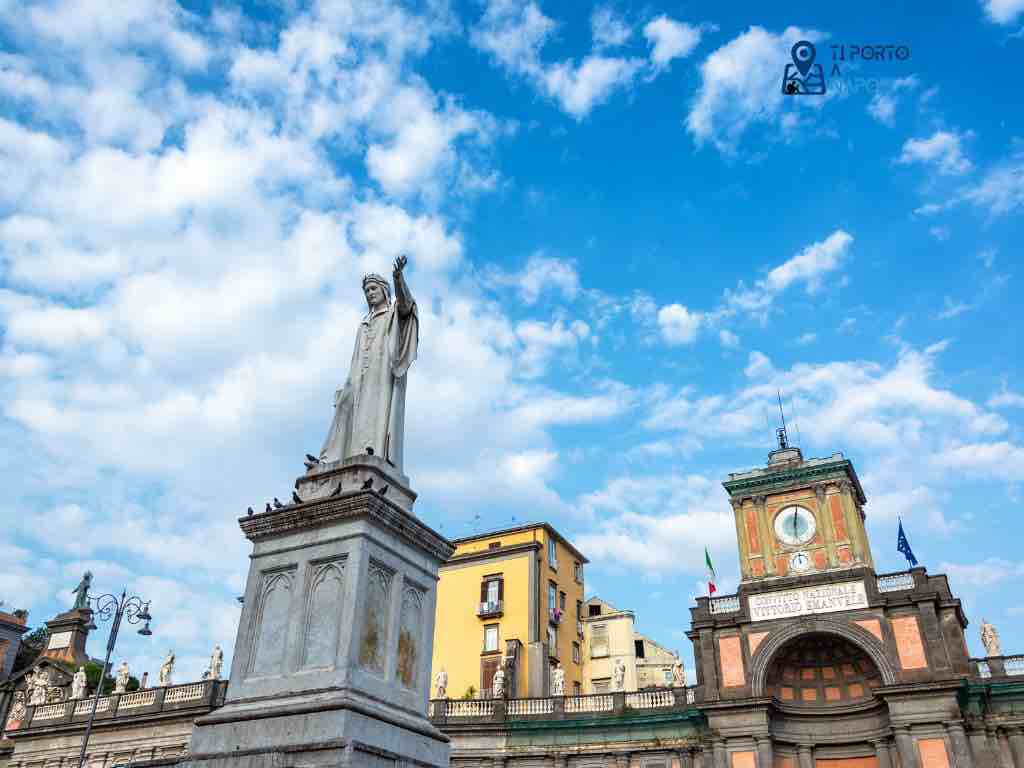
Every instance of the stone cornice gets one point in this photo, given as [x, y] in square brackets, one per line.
[350, 505]
[492, 554]
[767, 480]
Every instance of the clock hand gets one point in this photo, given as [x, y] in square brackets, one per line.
[795, 532]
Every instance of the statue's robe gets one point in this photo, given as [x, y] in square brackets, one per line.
[369, 410]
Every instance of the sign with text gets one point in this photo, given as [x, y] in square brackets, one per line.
[827, 598]
[59, 640]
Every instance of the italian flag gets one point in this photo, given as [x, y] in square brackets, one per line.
[711, 573]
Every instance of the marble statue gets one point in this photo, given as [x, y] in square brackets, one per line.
[166, 670]
[82, 593]
[121, 680]
[441, 681]
[678, 674]
[558, 680]
[498, 683]
[990, 639]
[369, 410]
[144, 683]
[618, 675]
[216, 663]
[78, 684]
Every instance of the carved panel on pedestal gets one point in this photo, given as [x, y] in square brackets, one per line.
[270, 634]
[908, 642]
[410, 636]
[323, 613]
[374, 643]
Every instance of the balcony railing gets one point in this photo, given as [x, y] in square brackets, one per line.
[208, 693]
[556, 707]
[490, 609]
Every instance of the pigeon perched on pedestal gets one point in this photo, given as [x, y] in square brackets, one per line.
[268, 507]
[368, 484]
[250, 512]
[277, 503]
[382, 490]
[295, 498]
[312, 459]
[337, 491]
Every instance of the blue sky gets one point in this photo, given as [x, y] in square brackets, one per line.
[623, 238]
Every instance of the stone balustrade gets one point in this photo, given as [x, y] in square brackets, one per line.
[895, 582]
[999, 666]
[118, 706]
[562, 707]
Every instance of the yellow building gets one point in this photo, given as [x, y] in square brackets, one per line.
[514, 594]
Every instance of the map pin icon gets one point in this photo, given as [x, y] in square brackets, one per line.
[803, 54]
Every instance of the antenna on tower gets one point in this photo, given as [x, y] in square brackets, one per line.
[780, 433]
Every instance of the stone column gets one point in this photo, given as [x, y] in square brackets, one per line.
[805, 756]
[981, 751]
[882, 752]
[1016, 737]
[958, 742]
[764, 751]
[685, 758]
[721, 756]
[906, 747]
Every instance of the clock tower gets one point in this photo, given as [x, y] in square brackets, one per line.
[797, 516]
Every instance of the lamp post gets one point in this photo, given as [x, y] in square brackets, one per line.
[110, 607]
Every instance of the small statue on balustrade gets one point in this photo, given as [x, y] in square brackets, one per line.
[441, 681]
[990, 639]
[78, 684]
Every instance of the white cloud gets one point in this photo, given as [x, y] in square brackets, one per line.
[540, 341]
[1001, 459]
[1003, 11]
[579, 88]
[987, 256]
[882, 106]
[1005, 398]
[943, 149]
[741, 84]
[807, 338]
[758, 366]
[678, 324]
[847, 325]
[984, 574]
[1000, 191]
[670, 39]
[808, 267]
[608, 29]
[939, 233]
[728, 339]
[952, 309]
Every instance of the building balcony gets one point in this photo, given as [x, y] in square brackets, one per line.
[490, 610]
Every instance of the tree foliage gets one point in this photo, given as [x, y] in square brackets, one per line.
[32, 644]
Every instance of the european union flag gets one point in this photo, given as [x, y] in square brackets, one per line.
[903, 546]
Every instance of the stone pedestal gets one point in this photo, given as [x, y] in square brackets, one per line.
[332, 659]
[68, 634]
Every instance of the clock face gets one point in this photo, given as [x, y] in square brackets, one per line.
[799, 562]
[794, 526]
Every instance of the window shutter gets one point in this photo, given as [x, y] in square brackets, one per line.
[483, 591]
[501, 590]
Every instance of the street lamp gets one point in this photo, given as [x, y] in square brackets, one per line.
[110, 607]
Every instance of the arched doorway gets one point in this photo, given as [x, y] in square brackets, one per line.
[820, 669]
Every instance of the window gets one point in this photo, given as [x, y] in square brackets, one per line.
[579, 608]
[488, 666]
[561, 601]
[577, 571]
[669, 680]
[492, 589]
[638, 647]
[552, 596]
[552, 642]
[601, 685]
[576, 689]
[593, 610]
[598, 640]
[552, 553]
[490, 638]
[494, 545]
[576, 653]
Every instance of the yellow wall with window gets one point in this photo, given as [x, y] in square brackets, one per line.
[522, 557]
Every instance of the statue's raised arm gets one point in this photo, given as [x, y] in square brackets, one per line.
[369, 416]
